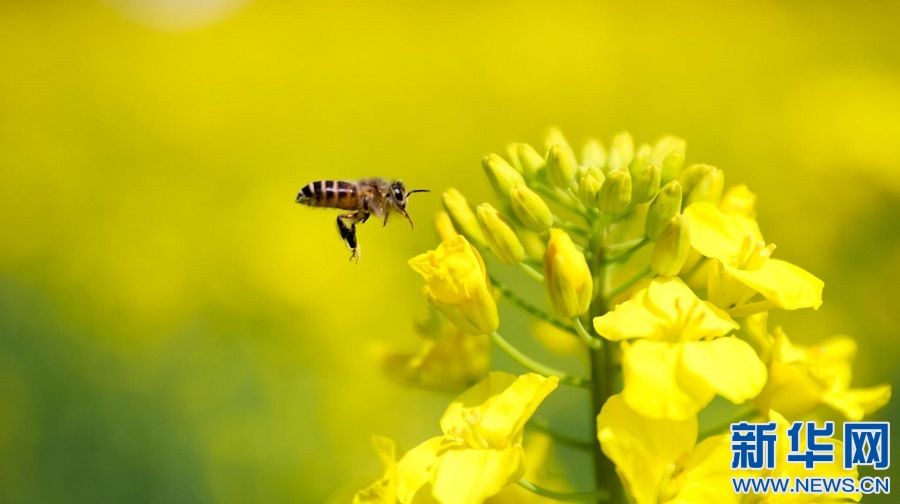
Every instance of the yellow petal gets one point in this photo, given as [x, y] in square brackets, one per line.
[790, 390]
[627, 320]
[856, 403]
[657, 386]
[667, 309]
[790, 287]
[729, 365]
[707, 474]
[468, 476]
[691, 317]
[713, 233]
[413, 471]
[644, 450]
[493, 413]
[384, 490]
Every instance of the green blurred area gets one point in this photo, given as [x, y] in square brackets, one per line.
[174, 328]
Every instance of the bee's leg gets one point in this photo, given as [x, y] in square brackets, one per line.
[386, 215]
[348, 232]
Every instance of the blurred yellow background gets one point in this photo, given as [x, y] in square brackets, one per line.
[173, 327]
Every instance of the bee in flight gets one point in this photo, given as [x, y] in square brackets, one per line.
[362, 198]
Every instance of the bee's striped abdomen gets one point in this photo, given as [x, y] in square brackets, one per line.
[330, 194]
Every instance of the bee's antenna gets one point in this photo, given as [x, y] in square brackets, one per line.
[417, 190]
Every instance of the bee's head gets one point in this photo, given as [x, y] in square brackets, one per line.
[399, 195]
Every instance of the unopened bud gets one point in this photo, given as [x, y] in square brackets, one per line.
[690, 176]
[567, 276]
[501, 237]
[666, 205]
[615, 195]
[444, 226]
[589, 188]
[669, 154]
[462, 216]
[512, 152]
[621, 151]
[708, 188]
[501, 174]
[534, 244]
[672, 247]
[530, 159]
[561, 167]
[593, 155]
[530, 209]
[555, 137]
[645, 179]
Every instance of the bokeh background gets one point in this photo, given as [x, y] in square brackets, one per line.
[173, 328]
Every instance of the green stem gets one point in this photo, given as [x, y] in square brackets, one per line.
[589, 339]
[531, 272]
[627, 284]
[628, 252]
[560, 437]
[553, 196]
[530, 308]
[569, 227]
[593, 496]
[535, 366]
[602, 376]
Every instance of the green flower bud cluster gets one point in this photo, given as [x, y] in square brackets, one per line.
[610, 181]
[649, 269]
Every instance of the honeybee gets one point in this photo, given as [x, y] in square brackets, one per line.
[364, 198]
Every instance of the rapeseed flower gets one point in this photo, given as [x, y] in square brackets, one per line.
[743, 266]
[659, 460]
[448, 358]
[479, 453]
[456, 283]
[628, 223]
[682, 356]
[803, 377]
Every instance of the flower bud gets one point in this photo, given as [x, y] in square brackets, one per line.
[531, 210]
[621, 151]
[567, 276]
[593, 155]
[534, 244]
[672, 247]
[444, 226]
[589, 188]
[555, 137]
[708, 188]
[512, 152]
[500, 235]
[666, 205]
[461, 215]
[501, 174]
[645, 177]
[669, 154]
[531, 161]
[561, 167]
[690, 176]
[615, 195]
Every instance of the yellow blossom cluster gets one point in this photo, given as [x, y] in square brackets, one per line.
[661, 278]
